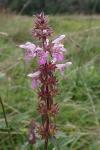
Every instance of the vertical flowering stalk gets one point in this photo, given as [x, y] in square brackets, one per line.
[48, 54]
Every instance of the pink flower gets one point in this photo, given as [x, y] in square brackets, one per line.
[35, 79]
[57, 56]
[42, 55]
[59, 39]
[32, 136]
[57, 52]
[30, 50]
[28, 45]
[35, 83]
[58, 49]
[62, 67]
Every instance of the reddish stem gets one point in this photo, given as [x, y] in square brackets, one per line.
[46, 144]
[47, 105]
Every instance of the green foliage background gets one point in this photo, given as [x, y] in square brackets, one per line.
[54, 6]
[79, 90]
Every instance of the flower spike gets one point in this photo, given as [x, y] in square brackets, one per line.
[48, 54]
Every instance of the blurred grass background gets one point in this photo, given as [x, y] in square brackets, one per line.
[79, 116]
